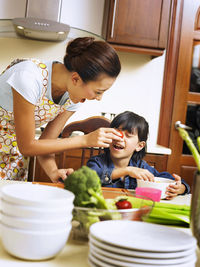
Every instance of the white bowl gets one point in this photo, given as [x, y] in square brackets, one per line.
[30, 245]
[37, 195]
[160, 183]
[36, 213]
[36, 224]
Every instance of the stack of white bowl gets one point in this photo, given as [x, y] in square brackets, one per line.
[35, 220]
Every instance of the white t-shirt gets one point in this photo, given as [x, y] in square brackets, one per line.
[26, 78]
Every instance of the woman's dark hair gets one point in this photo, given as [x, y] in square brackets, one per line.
[90, 58]
[133, 123]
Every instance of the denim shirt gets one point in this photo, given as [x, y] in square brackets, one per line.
[104, 166]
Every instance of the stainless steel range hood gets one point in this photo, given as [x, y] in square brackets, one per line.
[44, 9]
[41, 29]
[42, 21]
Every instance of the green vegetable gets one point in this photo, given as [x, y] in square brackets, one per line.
[164, 213]
[198, 142]
[85, 219]
[86, 186]
[185, 136]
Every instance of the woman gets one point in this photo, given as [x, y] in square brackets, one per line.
[34, 93]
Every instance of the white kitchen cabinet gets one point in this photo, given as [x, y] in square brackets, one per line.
[10, 9]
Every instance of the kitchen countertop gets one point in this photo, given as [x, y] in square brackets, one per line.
[157, 149]
[74, 253]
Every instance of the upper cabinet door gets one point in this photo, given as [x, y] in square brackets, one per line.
[139, 23]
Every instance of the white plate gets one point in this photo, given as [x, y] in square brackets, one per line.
[142, 236]
[92, 264]
[140, 253]
[99, 263]
[127, 261]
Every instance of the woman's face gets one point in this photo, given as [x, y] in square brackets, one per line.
[90, 90]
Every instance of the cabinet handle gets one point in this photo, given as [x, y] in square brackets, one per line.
[113, 19]
[178, 124]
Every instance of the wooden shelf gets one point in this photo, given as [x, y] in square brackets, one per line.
[193, 98]
[196, 36]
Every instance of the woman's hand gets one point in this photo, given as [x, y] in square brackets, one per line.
[175, 189]
[102, 137]
[59, 175]
[141, 174]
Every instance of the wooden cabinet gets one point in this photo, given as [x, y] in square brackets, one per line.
[185, 99]
[139, 25]
[73, 160]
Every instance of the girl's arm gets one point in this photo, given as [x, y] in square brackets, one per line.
[29, 146]
[175, 189]
[133, 172]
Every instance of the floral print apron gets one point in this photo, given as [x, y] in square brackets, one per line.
[13, 165]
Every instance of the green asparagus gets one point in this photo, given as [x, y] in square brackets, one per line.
[185, 136]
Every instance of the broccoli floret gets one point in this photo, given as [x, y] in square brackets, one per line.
[86, 186]
[85, 219]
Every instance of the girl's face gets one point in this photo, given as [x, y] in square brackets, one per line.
[90, 90]
[126, 147]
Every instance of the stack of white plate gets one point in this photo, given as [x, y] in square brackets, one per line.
[139, 244]
[35, 220]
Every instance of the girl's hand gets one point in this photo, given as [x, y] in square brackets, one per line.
[141, 174]
[102, 137]
[60, 175]
[175, 189]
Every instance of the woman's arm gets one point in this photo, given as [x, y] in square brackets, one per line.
[48, 162]
[25, 132]
[49, 165]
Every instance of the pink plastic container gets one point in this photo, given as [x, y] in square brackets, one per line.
[152, 193]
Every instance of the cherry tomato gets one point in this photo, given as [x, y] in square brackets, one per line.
[121, 133]
[123, 204]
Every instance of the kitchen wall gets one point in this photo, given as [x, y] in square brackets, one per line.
[84, 14]
[138, 87]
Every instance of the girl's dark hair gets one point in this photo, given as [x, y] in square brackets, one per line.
[90, 58]
[133, 123]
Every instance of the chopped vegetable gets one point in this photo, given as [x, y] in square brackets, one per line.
[86, 186]
[121, 133]
[123, 204]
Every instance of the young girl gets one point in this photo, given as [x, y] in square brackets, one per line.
[121, 165]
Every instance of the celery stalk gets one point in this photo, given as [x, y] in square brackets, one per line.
[185, 136]
[198, 142]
